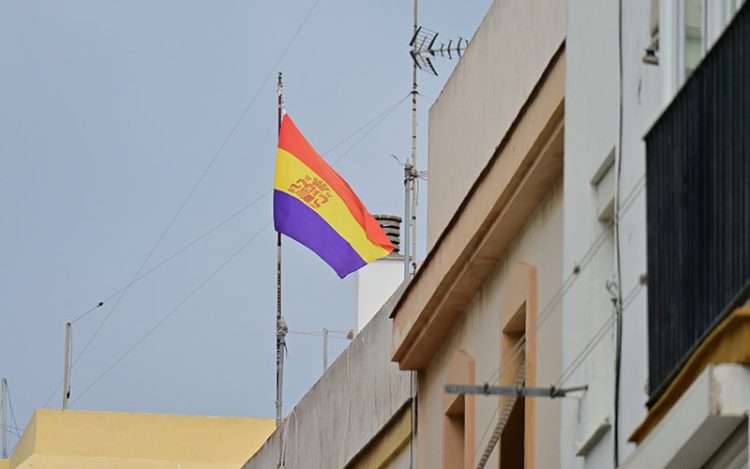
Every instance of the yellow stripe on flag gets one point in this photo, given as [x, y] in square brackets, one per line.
[297, 179]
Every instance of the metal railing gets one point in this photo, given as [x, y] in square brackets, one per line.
[698, 205]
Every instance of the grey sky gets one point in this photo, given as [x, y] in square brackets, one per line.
[109, 112]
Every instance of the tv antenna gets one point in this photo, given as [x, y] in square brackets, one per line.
[424, 50]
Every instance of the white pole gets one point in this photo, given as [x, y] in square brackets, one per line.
[325, 350]
[66, 370]
[413, 168]
[5, 418]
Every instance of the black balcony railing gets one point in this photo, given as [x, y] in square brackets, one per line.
[698, 204]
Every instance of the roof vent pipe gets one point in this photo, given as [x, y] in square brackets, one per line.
[391, 224]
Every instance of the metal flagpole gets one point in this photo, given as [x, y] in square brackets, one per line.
[280, 326]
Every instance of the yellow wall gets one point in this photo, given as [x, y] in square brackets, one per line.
[85, 439]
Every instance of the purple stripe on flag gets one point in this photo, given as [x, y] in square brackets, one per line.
[298, 221]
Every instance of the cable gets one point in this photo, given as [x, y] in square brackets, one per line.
[486, 430]
[171, 312]
[384, 116]
[241, 210]
[576, 362]
[628, 201]
[426, 99]
[234, 215]
[588, 256]
[618, 301]
[200, 179]
[386, 111]
[318, 334]
[19, 431]
[380, 118]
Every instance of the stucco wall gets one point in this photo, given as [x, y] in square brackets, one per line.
[478, 333]
[505, 59]
[74, 439]
[592, 116]
[346, 408]
[374, 284]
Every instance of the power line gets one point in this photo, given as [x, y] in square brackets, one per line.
[171, 312]
[158, 324]
[628, 201]
[383, 114]
[380, 117]
[200, 179]
[19, 430]
[594, 341]
[486, 431]
[567, 284]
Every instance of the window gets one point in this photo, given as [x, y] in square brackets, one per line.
[693, 35]
[518, 317]
[458, 422]
[690, 28]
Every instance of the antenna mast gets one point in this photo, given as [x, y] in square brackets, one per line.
[281, 328]
[423, 50]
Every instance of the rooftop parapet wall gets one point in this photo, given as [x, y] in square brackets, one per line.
[82, 439]
[504, 61]
[347, 408]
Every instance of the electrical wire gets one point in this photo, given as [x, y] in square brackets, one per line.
[567, 284]
[628, 201]
[587, 349]
[380, 117]
[170, 313]
[486, 431]
[384, 113]
[318, 334]
[596, 338]
[380, 121]
[618, 259]
[158, 324]
[200, 179]
[19, 431]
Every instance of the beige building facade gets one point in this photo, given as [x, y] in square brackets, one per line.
[483, 306]
[76, 439]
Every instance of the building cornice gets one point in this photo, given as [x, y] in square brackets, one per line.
[728, 343]
[523, 168]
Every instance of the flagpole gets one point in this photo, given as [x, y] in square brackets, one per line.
[280, 326]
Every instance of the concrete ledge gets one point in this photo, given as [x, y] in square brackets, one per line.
[699, 422]
[728, 343]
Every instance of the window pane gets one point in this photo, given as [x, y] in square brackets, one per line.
[693, 35]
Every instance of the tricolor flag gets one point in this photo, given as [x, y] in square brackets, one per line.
[315, 206]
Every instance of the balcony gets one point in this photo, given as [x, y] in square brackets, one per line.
[698, 204]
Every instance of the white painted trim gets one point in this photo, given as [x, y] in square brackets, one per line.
[699, 422]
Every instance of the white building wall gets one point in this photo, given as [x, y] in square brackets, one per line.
[642, 104]
[478, 333]
[375, 283]
[349, 405]
[592, 131]
[591, 123]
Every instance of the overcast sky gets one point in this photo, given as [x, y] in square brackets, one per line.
[109, 114]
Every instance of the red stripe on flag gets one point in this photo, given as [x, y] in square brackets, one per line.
[292, 140]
